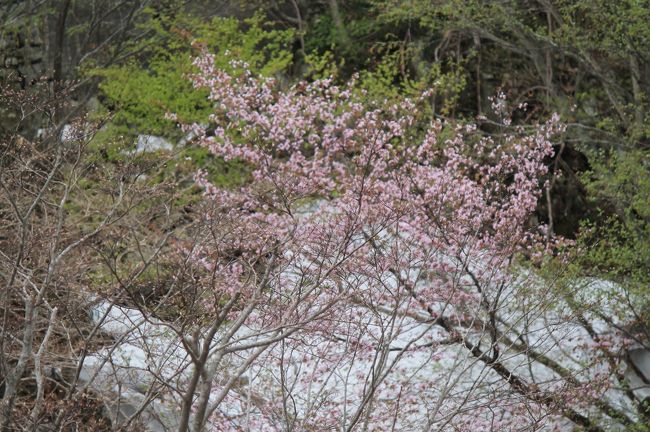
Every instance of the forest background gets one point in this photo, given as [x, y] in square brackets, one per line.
[122, 65]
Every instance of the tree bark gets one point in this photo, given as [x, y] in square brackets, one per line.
[341, 32]
[57, 65]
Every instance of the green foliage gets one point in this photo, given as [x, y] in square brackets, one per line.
[625, 179]
[385, 81]
[182, 168]
[321, 65]
[143, 89]
[641, 427]
[351, 42]
[140, 91]
[619, 246]
[616, 245]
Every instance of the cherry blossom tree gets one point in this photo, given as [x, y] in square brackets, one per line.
[369, 273]
[374, 272]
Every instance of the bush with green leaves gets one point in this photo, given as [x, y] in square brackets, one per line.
[617, 246]
[142, 90]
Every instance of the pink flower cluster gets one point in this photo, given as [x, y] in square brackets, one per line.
[358, 225]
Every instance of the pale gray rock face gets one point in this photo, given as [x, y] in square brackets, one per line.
[67, 133]
[149, 354]
[152, 143]
[123, 378]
